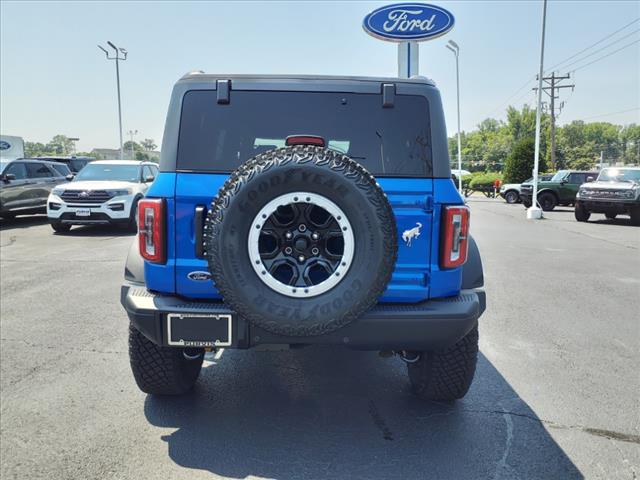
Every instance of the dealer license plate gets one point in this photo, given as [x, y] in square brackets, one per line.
[199, 330]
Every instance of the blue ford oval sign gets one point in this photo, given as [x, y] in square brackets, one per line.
[5, 145]
[404, 22]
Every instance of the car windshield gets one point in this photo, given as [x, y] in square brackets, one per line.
[559, 175]
[109, 171]
[619, 175]
[3, 165]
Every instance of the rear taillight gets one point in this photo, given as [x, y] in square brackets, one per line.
[455, 235]
[151, 231]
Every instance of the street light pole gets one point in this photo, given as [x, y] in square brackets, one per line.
[131, 134]
[117, 58]
[453, 46]
[534, 212]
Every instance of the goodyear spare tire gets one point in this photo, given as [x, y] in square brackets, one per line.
[301, 240]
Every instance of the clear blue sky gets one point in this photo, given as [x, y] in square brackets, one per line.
[55, 80]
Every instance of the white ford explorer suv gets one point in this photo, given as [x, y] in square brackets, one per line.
[103, 192]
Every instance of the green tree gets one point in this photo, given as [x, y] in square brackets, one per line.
[630, 143]
[127, 146]
[60, 145]
[148, 144]
[519, 163]
[34, 149]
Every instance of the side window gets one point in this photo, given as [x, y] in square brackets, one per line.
[60, 169]
[18, 169]
[576, 178]
[148, 171]
[38, 170]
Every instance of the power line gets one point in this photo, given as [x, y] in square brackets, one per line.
[528, 82]
[600, 49]
[594, 44]
[506, 102]
[611, 113]
[605, 56]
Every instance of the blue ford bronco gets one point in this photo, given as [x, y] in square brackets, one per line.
[301, 210]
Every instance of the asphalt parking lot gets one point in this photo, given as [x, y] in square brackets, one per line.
[556, 395]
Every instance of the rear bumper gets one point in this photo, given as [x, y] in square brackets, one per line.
[423, 326]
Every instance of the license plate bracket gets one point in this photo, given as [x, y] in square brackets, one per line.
[83, 212]
[199, 330]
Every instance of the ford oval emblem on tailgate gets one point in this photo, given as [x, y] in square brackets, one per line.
[199, 276]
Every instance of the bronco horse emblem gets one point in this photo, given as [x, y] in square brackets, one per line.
[409, 235]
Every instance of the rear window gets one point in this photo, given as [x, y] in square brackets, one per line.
[386, 141]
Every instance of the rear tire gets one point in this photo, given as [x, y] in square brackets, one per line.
[547, 201]
[132, 226]
[447, 374]
[511, 196]
[526, 203]
[162, 370]
[581, 213]
[634, 213]
[60, 227]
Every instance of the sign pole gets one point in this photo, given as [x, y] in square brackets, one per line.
[408, 59]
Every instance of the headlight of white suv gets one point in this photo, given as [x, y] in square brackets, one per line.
[118, 193]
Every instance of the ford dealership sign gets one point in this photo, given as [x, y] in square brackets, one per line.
[408, 22]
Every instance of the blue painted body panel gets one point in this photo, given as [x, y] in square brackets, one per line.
[416, 277]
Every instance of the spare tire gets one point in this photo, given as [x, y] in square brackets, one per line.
[301, 240]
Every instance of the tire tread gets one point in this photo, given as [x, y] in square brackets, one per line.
[300, 155]
[160, 370]
[446, 374]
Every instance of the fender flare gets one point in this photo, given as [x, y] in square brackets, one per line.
[134, 266]
[472, 273]
[552, 192]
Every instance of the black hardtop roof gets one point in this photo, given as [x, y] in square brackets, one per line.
[32, 160]
[329, 79]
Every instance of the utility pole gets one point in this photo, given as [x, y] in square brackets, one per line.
[553, 84]
[117, 58]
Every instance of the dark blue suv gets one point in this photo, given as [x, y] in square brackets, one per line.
[295, 210]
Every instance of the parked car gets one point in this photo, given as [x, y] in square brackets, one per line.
[615, 192]
[25, 185]
[74, 163]
[455, 173]
[560, 190]
[511, 191]
[266, 226]
[104, 192]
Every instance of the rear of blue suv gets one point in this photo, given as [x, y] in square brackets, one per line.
[299, 211]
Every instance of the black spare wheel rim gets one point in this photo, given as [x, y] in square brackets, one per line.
[301, 244]
[301, 240]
